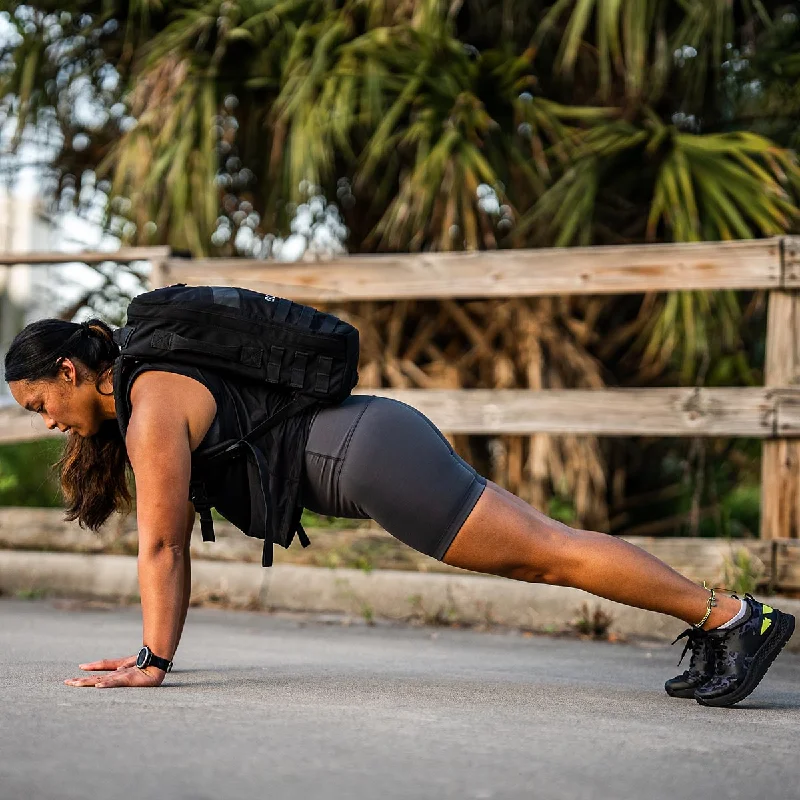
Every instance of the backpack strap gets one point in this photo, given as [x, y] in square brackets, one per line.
[169, 340]
[328, 324]
[199, 497]
[257, 461]
[299, 403]
[298, 528]
[282, 307]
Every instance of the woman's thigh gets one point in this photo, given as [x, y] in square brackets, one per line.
[372, 457]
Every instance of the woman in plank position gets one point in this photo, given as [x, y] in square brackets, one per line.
[368, 457]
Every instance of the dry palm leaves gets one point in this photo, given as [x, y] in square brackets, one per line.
[519, 343]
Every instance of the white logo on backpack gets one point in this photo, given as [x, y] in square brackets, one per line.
[270, 298]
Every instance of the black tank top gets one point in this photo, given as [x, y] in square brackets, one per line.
[275, 471]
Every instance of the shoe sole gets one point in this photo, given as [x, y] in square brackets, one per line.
[761, 663]
[687, 693]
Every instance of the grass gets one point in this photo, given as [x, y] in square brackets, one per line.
[743, 573]
[30, 594]
[593, 623]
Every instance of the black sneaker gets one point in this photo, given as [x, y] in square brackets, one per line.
[701, 664]
[743, 653]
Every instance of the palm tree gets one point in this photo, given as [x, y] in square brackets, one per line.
[423, 125]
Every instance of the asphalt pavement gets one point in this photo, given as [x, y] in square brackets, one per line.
[293, 707]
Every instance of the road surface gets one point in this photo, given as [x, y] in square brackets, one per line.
[261, 706]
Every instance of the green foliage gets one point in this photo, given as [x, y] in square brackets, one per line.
[31, 594]
[26, 474]
[769, 89]
[708, 488]
[594, 623]
[312, 520]
[592, 122]
[742, 572]
[562, 509]
[443, 126]
[741, 510]
[434, 126]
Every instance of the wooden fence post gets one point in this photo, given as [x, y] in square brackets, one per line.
[780, 466]
[159, 274]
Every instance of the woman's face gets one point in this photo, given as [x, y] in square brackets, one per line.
[65, 402]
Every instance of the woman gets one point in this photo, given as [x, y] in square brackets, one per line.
[367, 457]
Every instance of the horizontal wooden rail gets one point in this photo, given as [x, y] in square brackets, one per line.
[751, 412]
[771, 412]
[747, 264]
[123, 256]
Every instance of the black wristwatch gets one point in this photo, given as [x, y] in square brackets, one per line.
[147, 658]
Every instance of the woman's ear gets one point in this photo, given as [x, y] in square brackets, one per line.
[67, 371]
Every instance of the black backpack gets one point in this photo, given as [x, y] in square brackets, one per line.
[244, 335]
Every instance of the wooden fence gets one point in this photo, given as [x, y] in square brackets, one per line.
[770, 413]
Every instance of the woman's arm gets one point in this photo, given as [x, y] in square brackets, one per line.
[159, 451]
[187, 570]
[158, 441]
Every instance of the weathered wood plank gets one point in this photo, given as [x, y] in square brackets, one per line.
[790, 246]
[780, 461]
[609, 412]
[124, 255]
[505, 273]
[698, 559]
[786, 558]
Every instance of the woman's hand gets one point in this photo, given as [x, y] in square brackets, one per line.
[109, 663]
[124, 673]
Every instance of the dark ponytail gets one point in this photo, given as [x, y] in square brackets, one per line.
[93, 470]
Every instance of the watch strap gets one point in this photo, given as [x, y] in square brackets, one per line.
[148, 658]
[160, 663]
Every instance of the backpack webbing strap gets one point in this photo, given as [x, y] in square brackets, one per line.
[298, 370]
[282, 311]
[197, 489]
[256, 459]
[306, 315]
[198, 496]
[169, 340]
[260, 463]
[323, 374]
[274, 363]
[298, 528]
[293, 407]
[328, 324]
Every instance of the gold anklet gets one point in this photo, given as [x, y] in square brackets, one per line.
[712, 602]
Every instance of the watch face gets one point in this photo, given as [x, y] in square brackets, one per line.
[143, 659]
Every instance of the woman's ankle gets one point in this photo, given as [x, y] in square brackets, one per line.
[725, 610]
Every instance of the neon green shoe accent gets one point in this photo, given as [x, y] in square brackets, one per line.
[767, 609]
[766, 622]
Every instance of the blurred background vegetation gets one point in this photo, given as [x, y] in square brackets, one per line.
[272, 128]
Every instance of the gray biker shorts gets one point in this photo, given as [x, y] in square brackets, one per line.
[375, 458]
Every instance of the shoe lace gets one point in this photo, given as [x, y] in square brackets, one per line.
[697, 641]
[721, 654]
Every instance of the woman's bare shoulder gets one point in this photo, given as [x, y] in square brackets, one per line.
[180, 397]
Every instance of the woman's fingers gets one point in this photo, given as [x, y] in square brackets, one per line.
[91, 681]
[131, 676]
[113, 665]
[109, 664]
